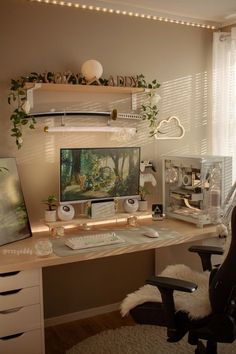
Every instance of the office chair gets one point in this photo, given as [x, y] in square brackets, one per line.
[217, 327]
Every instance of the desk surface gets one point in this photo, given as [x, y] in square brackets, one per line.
[10, 261]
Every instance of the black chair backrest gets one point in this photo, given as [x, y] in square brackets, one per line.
[222, 288]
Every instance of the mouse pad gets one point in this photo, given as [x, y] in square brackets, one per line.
[132, 236]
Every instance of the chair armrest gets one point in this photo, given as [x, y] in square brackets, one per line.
[172, 284]
[166, 287]
[207, 249]
[205, 252]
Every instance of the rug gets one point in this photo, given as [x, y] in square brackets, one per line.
[138, 339]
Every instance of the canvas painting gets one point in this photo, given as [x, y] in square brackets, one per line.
[14, 222]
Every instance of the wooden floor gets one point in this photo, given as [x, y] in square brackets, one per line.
[62, 337]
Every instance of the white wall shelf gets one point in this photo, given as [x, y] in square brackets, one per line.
[88, 89]
[83, 88]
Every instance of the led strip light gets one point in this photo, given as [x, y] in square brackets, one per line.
[127, 13]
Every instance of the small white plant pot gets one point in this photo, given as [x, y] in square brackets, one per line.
[50, 215]
[142, 205]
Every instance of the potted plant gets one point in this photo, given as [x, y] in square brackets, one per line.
[50, 213]
[143, 204]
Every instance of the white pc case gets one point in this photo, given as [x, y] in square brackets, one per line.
[188, 185]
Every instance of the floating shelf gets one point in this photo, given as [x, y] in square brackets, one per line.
[97, 89]
[82, 88]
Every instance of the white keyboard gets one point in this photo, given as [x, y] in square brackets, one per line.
[94, 240]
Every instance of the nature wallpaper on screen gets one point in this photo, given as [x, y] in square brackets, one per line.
[88, 174]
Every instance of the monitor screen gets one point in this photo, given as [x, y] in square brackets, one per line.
[14, 223]
[98, 173]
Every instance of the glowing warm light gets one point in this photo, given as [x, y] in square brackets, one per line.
[124, 12]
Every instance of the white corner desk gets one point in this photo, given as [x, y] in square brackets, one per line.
[21, 284]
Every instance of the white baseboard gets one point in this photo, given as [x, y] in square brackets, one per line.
[74, 316]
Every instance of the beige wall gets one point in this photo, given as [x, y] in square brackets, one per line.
[37, 37]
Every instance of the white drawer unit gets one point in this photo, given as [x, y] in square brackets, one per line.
[21, 312]
[19, 279]
[19, 297]
[28, 343]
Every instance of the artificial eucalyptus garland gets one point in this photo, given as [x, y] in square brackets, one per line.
[17, 98]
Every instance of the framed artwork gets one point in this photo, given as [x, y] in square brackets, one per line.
[14, 222]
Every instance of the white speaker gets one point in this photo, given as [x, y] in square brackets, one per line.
[65, 212]
[102, 209]
[131, 205]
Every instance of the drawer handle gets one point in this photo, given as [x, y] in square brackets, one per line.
[12, 336]
[9, 274]
[10, 292]
[5, 312]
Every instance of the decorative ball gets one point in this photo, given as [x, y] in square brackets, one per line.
[91, 68]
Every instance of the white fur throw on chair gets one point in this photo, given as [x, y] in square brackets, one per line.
[196, 304]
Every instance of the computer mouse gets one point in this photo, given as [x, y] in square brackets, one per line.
[149, 232]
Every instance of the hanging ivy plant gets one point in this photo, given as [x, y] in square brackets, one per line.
[21, 107]
[150, 110]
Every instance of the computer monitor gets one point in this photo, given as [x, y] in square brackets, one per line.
[88, 174]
